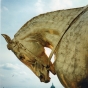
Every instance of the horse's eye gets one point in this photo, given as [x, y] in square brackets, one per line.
[47, 66]
[33, 65]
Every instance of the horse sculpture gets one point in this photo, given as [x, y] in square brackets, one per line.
[65, 32]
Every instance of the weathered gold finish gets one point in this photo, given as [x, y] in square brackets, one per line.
[66, 33]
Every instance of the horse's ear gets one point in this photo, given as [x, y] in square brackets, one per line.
[7, 38]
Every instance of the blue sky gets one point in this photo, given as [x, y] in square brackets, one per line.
[14, 13]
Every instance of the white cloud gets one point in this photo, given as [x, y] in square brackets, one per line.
[39, 6]
[60, 4]
[48, 51]
[19, 73]
[1, 75]
[42, 7]
[9, 66]
[4, 8]
[68, 2]
[23, 73]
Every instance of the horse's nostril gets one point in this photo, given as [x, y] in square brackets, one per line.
[21, 57]
[46, 81]
[41, 76]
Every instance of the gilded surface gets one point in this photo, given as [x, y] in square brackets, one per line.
[45, 30]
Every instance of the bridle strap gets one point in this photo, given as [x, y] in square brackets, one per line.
[33, 56]
[76, 17]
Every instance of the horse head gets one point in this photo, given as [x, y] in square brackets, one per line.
[32, 54]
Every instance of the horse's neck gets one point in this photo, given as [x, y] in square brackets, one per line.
[51, 25]
[53, 29]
